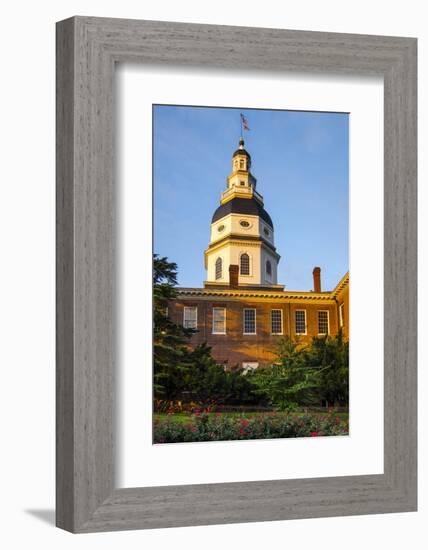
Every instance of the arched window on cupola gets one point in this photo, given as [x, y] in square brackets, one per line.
[218, 268]
[245, 264]
[268, 269]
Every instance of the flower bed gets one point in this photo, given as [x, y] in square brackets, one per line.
[223, 427]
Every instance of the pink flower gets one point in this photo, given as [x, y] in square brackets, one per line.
[314, 434]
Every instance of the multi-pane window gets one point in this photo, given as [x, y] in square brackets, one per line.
[219, 320]
[276, 321]
[190, 317]
[218, 268]
[249, 321]
[341, 314]
[300, 321]
[268, 269]
[322, 322]
[245, 264]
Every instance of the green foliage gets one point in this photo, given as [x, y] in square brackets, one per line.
[290, 382]
[219, 427]
[331, 356]
[170, 341]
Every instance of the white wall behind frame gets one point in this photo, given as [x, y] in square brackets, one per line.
[27, 240]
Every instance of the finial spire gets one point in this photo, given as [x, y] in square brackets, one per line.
[241, 142]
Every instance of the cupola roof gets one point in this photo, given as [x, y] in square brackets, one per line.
[250, 207]
[241, 150]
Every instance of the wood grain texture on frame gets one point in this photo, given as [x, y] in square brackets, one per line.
[87, 50]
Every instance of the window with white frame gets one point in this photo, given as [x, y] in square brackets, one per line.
[219, 320]
[300, 321]
[322, 322]
[341, 314]
[245, 264]
[250, 321]
[190, 317]
[218, 268]
[276, 321]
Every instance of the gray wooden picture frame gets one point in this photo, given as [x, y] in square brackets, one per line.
[87, 50]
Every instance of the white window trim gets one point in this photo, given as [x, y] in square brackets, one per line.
[225, 320]
[269, 275]
[282, 323]
[184, 315]
[255, 321]
[221, 268]
[250, 262]
[341, 316]
[306, 323]
[328, 322]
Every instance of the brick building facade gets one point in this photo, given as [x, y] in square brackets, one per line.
[242, 311]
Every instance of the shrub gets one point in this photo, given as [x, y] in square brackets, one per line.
[223, 427]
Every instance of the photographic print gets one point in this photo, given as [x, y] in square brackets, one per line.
[250, 274]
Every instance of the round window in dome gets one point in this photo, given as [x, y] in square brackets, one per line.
[244, 223]
[220, 228]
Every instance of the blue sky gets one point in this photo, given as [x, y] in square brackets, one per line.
[300, 160]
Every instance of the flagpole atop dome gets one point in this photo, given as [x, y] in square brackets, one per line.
[244, 125]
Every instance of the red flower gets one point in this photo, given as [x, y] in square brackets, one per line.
[314, 434]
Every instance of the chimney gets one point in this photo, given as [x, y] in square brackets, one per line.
[317, 279]
[233, 276]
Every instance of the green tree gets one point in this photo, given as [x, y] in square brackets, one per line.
[331, 356]
[290, 382]
[170, 341]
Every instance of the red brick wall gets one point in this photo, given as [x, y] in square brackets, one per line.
[235, 347]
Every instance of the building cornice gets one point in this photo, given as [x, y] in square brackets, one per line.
[237, 239]
[341, 285]
[264, 295]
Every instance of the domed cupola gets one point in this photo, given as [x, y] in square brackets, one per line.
[242, 152]
[237, 205]
[242, 232]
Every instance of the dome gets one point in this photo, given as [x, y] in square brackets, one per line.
[242, 152]
[249, 207]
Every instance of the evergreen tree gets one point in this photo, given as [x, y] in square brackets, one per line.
[290, 382]
[170, 341]
[331, 356]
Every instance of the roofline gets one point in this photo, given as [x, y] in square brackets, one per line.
[344, 281]
[241, 293]
[300, 295]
